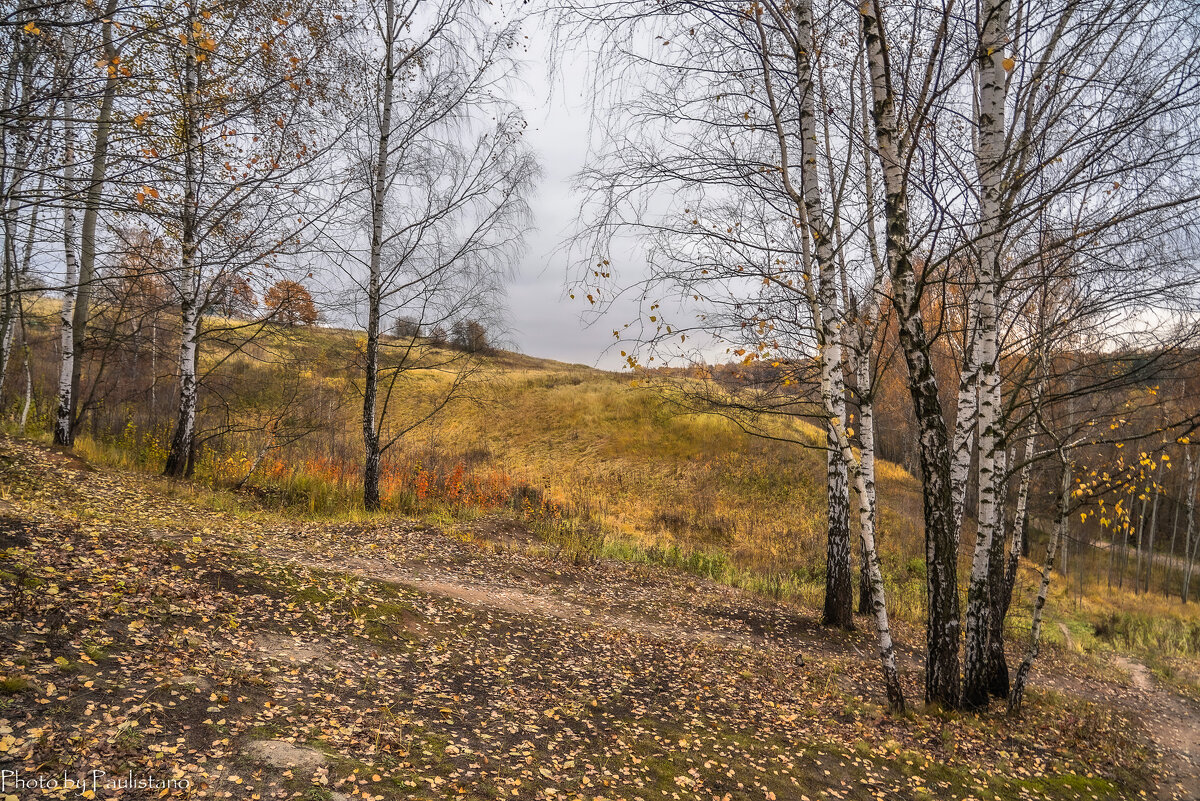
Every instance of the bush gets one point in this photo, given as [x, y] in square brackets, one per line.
[407, 328]
[471, 336]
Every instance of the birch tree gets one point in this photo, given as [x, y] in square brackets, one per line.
[942, 681]
[236, 132]
[992, 79]
[809, 199]
[442, 194]
[756, 243]
[1189, 538]
[77, 292]
[31, 64]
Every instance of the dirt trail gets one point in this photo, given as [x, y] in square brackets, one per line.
[641, 610]
[1175, 727]
[662, 606]
[575, 652]
[1173, 724]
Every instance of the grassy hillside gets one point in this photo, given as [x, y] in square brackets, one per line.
[155, 632]
[605, 467]
[596, 465]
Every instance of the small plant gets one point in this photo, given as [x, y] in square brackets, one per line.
[14, 685]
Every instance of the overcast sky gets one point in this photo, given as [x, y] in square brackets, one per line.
[544, 320]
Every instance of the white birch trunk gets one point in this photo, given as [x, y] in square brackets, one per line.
[863, 470]
[179, 457]
[1059, 532]
[63, 418]
[965, 423]
[1171, 561]
[28, 404]
[999, 595]
[370, 427]
[989, 161]
[1021, 515]
[839, 596]
[942, 627]
[91, 211]
[1141, 528]
[1189, 547]
[1153, 525]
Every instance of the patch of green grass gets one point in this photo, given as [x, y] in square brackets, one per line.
[95, 653]
[1150, 633]
[14, 685]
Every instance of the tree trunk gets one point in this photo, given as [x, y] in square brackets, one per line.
[28, 404]
[183, 442]
[993, 83]
[864, 479]
[998, 678]
[91, 214]
[942, 681]
[866, 439]
[8, 219]
[864, 584]
[64, 430]
[1174, 538]
[839, 591]
[864, 485]
[1141, 528]
[371, 428]
[1190, 528]
[996, 665]
[1153, 526]
[1061, 521]
[965, 423]
[14, 168]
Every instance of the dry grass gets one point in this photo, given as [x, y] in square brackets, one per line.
[607, 469]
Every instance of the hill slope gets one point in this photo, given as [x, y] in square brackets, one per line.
[606, 466]
[260, 657]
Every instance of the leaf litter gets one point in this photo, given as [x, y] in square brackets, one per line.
[258, 657]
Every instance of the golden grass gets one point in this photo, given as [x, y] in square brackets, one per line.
[606, 468]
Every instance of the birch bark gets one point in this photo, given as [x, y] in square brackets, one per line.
[1190, 529]
[965, 424]
[839, 594]
[942, 681]
[91, 214]
[63, 424]
[179, 456]
[993, 83]
[371, 444]
[1059, 531]
[998, 676]
[1153, 524]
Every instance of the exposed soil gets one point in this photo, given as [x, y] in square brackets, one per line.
[1174, 723]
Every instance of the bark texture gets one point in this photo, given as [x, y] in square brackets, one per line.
[181, 455]
[370, 426]
[1058, 532]
[942, 680]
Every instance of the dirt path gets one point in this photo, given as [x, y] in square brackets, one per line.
[625, 605]
[1175, 727]
[268, 657]
[1173, 724]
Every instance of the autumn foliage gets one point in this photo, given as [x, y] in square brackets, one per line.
[291, 304]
